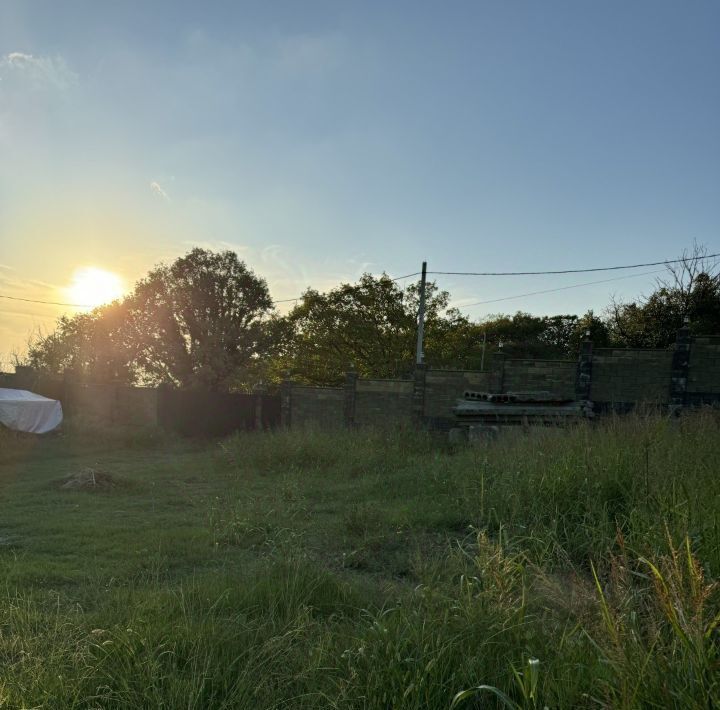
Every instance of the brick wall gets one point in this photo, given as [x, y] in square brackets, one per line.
[91, 401]
[526, 375]
[383, 402]
[316, 406]
[704, 372]
[51, 387]
[625, 376]
[621, 377]
[8, 380]
[618, 378]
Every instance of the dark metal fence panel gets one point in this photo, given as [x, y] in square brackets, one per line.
[52, 388]
[270, 411]
[201, 413]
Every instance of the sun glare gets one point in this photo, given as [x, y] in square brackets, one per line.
[92, 287]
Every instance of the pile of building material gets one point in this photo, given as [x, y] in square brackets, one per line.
[478, 411]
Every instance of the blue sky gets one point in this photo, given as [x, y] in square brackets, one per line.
[324, 139]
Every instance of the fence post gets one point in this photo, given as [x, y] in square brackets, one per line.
[286, 402]
[583, 380]
[351, 378]
[418, 397]
[499, 363]
[680, 369]
[259, 391]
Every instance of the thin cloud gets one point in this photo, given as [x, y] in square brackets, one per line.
[11, 282]
[18, 69]
[157, 189]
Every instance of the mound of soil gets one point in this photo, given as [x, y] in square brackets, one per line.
[91, 479]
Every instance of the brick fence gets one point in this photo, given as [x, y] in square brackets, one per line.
[614, 379]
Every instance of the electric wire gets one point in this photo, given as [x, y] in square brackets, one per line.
[47, 303]
[407, 276]
[560, 288]
[667, 262]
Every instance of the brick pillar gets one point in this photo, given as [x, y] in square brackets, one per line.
[350, 394]
[499, 364]
[286, 403]
[259, 391]
[583, 379]
[418, 400]
[680, 369]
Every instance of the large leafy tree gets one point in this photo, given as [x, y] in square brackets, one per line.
[199, 321]
[370, 325]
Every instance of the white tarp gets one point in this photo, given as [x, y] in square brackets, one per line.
[26, 411]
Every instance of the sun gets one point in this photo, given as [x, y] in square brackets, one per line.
[92, 287]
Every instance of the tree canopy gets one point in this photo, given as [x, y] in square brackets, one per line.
[198, 321]
[208, 320]
[691, 289]
[371, 326]
[87, 345]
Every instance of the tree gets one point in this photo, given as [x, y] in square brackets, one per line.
[691, 289]
[552, 337]
[525, 335]
[595, 326]
[89, 346]
[372, 326]
[199, 321]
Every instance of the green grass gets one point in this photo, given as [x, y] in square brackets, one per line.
[363, 569]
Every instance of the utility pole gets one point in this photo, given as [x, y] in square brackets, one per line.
[421, 318]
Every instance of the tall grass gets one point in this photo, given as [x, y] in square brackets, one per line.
[367, 569]
[82, 435]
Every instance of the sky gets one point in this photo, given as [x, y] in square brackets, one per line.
[321, 140]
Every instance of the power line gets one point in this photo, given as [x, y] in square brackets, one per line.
[449, 273]
[561, 288]
[569, 271]
[87, 305]
[397, 278]
[47, 303]
[407, 276]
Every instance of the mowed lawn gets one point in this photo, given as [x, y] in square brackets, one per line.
[362, 569]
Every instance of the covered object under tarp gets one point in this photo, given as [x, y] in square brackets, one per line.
[21, 410]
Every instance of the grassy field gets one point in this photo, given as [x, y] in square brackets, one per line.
[362, 569]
